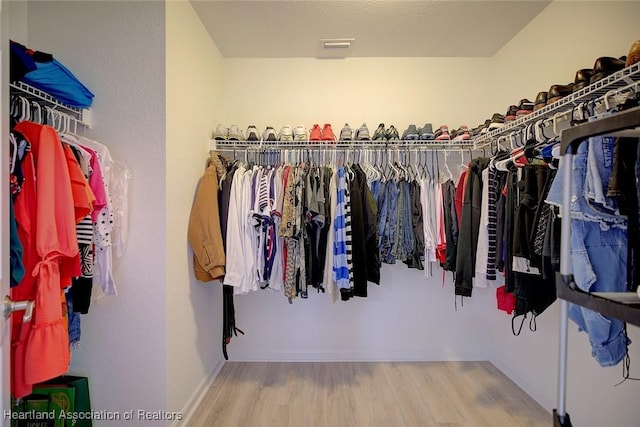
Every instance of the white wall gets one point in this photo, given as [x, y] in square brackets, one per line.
[193, 308]
[118, 50]
[409, 317]
[565, 36]
[396, 91]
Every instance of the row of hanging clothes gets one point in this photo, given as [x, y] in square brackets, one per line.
[510, 230]
[297, 221]
[68, 217]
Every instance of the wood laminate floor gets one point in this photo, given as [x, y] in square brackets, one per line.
[394, 394]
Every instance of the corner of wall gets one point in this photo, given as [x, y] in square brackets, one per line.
[193, 309]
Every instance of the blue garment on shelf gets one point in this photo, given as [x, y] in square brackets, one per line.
[55, 79]
[598, 245]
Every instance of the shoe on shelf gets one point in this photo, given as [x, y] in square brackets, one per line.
[315, 133]
[380, 133]
[582, 79]
[426, 132]
[497, 121]
[253, 134]
[484, 128]
[269, 134]
[557, 92]
[285, 134]
[300, 133]
[392, 134]
[633, 57]
[442, 134]
[410, 134]
[327, 133]
[541, 101]
[462, 134]
[511, 113]
[362, 133]
[605, 66]
[235, 134]
[346, 134]
[221, 133]
[524, 107]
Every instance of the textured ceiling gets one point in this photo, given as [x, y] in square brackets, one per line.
[409, 28]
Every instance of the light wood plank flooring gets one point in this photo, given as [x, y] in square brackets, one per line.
[394, 394]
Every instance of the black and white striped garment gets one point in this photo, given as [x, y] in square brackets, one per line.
[349, 237]
[492, 223]
[84, 230]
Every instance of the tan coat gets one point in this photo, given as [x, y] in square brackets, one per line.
[204, 232]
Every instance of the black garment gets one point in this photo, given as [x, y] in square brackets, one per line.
[450, 224]
[533, 293]
[370, 228]
[541, 222]
[417, 223]
[356, 189]
[228, 309]
[510, 204]
[622, 187]
[468, 238]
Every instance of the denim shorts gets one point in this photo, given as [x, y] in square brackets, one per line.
[599, 261]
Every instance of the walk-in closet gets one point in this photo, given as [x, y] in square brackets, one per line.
[304, 186]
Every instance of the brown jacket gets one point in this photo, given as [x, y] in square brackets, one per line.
[204, 230]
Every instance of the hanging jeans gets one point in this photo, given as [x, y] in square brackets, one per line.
[598, 245]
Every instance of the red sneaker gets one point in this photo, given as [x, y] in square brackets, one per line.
[327, 133]
[316, 134]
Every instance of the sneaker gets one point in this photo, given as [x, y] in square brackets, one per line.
[426, 132]
[497, 121]
[316, 133]
[392, 134]
[285, 134]
[362, 133]
[269, 134]
[442, 134]
[235, 134]
[327, 133]
[346, 134]
[252, 133]
[221, 133]
[300, 133]
[410, 133]
[462, 134]
[380, 133]
[525, 107]
[512, 113]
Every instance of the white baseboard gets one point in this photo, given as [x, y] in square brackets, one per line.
[536, 394]
[386, 355]
[196, 397]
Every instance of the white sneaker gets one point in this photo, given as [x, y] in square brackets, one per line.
[221, 133]
[235, 134]
[269, 134]
[300, 133]
[252, 133]
[286, 134]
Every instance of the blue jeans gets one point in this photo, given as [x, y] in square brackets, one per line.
[389, 234]
[598, 245]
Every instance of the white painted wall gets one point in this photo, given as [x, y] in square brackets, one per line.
[398, 91]
[193, 309]
[409, 317]
[118, 50]
[565, 37]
